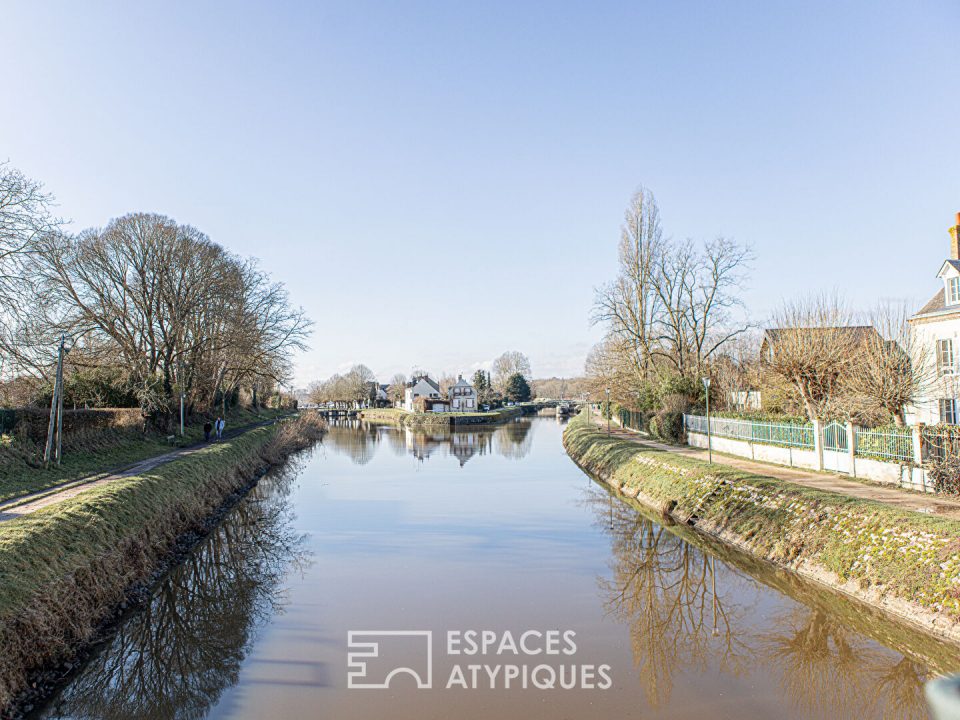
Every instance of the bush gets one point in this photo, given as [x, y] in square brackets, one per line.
[667, 426]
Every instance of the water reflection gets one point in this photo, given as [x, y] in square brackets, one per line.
[174, 657]
[666, 591]
[691, 627]
[360, 441]
[683, 618]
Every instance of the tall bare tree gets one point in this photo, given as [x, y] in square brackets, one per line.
[178, 312]
[673, 306]
[510, 363]
[25, 219]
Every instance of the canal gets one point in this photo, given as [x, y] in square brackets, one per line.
[488, 535]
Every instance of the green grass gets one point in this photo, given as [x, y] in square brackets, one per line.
[911, 555]
[66, 567]
[96, 451]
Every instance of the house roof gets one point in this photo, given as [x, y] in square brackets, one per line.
[955, 264]
[427, 380]
[461, 383]
[934, 304]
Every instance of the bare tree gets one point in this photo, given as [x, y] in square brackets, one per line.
[447, 381]
[510, 363]
[673, 306]
[630, 304]
[178, 312]
[814, 346]
[361, 384]
[25, 219]
[398, 388]
[892, 368]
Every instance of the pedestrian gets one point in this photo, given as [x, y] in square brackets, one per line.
[207, 429]
[220, 425]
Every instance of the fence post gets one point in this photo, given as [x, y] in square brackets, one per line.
[818, 443]
[852, 448]
[917, 433]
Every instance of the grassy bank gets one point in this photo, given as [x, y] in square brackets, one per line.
[903, 562]
[65, 569]
[96, 450]
[402, 417]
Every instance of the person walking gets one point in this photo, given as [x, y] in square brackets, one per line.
[221, 423]
[207, 429]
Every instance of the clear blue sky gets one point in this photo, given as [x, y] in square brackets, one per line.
[439, 182]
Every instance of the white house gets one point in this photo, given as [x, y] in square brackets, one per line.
[421, 386]
[937, 332]
[463, 396]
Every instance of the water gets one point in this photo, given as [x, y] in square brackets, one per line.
[488, 529]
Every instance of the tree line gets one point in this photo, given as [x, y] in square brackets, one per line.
[149, 310]
[674, 315]
[508, 380]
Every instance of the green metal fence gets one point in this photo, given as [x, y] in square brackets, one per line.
[888, 445]
[765, 433]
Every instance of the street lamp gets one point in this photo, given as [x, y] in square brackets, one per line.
[706, 387]
[608, 411]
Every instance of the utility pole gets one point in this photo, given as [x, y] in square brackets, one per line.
[60, 408]
[608, 411]
[56, 407]
[180, 383]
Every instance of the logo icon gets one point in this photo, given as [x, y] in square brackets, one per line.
[368, 668]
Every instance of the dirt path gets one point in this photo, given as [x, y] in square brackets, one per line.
[26, 504]
[903, 499]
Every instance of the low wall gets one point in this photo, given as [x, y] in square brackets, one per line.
[791, 457]
[885, 473]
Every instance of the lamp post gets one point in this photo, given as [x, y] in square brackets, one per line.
[608, 411]
[706, 387]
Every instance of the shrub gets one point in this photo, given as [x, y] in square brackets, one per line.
[668, 427]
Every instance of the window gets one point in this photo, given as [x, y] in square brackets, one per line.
[948, 411]
[945, 364]
[953, 291]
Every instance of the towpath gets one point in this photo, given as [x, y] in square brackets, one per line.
[829, 482]
[25, 504]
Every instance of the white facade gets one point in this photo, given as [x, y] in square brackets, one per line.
[463, 396]
[420, 387]
[937, 332]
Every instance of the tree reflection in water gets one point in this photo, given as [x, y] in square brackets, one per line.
[513, 440]
[829, 671]
[173, 658]
[666, 590]
[682, 618]
[360, 441]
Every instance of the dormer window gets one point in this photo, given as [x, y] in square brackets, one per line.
[953, 291]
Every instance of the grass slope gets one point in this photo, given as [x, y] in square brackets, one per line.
[95, 451]
[879, 552]
[64, 568]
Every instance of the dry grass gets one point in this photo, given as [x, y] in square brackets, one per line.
[66, 568]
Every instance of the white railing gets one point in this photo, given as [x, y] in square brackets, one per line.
[766, 433]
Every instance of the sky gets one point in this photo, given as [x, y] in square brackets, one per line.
[436, 182]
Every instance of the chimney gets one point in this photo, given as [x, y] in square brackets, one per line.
[955, 239]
